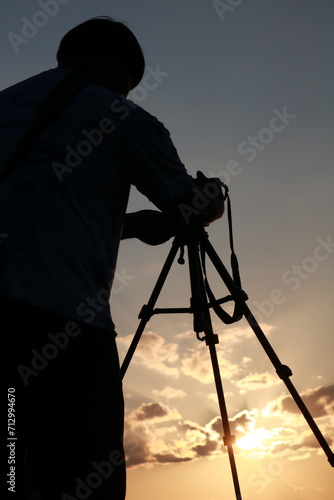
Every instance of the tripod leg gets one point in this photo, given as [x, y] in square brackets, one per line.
[147, 310]
[202, 323]
[282, 371]
[229, 439]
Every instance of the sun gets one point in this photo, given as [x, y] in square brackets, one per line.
[253, 439]
[249, 442]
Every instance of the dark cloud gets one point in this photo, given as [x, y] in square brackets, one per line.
[205, 450]
[149, 411]
[191, 441]
[216, 426]
[243, 419]
[136, 446]
[169, 458]
[306, 443]
[319, 401]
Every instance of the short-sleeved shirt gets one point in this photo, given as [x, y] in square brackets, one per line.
[62, 210]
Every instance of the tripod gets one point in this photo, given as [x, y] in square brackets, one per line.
[202, 300]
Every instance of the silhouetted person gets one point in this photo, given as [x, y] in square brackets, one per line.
[62, 216]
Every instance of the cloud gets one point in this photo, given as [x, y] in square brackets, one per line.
[136, 445]
[214, 396]
[196, 363]
[169, 458]
[157, 433]
[289, 434]
[149, 411]
[140, 433]
[228, 335]
[241, 424]
[231, 335]
[201, 441]
[319, 401]
[245, 421]
[154, 411]
[188, 356]
[154, 353]
[255, 381]
[205, 449]
[216, 427]
[295, 445]
[170, 393]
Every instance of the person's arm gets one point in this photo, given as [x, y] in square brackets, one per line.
[198, 206]
[153, 166]
[148, 226]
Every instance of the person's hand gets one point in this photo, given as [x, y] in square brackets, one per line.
[212, 197]
[149, 226]
[198, 206]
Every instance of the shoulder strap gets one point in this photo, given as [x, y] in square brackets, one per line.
[238, 312]
[45, 112]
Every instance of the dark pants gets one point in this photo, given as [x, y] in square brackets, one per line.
[69, 407]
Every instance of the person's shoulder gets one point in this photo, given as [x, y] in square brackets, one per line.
[97, 94]
[42, 80]
[143, 118]
[121, 108]
[52, 75]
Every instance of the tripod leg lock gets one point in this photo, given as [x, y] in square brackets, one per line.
[229, 440]
[211, 339]
[145, 313]
[284, 372]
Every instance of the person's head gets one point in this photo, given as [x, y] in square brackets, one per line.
[108, 48]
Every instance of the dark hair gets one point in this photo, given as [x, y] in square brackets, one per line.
[100, 37]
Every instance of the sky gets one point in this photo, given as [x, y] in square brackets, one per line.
[246, 90]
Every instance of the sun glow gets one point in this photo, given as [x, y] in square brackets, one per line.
[253, 439]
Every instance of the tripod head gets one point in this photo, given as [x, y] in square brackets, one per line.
[207, 202]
